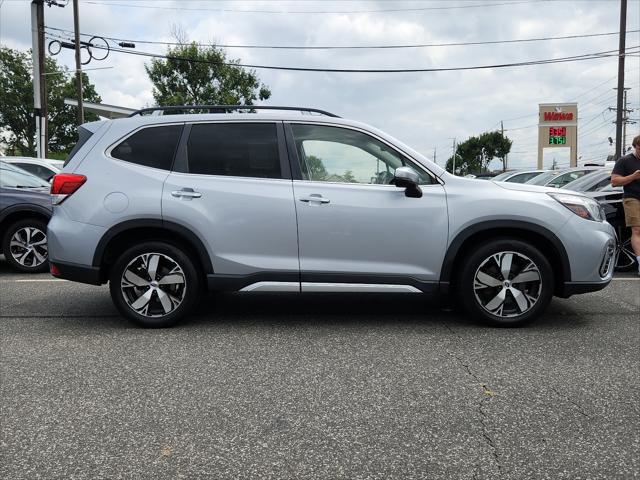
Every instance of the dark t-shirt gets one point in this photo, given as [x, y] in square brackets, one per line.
[626, 166]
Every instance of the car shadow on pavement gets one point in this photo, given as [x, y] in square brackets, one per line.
[350, 309]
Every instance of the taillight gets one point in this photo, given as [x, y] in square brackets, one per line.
[65, 184]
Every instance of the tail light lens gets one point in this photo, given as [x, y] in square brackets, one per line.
[64, 185]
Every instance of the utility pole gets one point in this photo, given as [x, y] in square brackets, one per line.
[434, 155]
[621, 49]
[39, 85]
[76, 26]
[505, 164]
[624, 119]
[453, 170]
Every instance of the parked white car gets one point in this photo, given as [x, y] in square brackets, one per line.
[40, 167]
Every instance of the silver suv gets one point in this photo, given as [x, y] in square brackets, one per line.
[163, 206]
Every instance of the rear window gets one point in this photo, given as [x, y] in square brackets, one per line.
[83, 136]
[151, 147]
[236, 149]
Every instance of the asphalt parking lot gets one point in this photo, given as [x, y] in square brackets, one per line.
[316, 386]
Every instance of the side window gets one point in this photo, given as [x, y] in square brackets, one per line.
[334, 154]
[234, 149]
[151, 147]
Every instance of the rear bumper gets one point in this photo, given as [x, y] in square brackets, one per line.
[75, 273]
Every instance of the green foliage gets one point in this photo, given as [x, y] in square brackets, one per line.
[475, 154]
[317, 170]
[210, 79]
[16, 109]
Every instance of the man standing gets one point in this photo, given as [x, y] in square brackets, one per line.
[627, 173]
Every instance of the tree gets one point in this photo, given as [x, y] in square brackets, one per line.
[208, 77]
[317, 170]
[475, 154]
[17, 119]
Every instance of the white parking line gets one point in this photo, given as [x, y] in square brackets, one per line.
[34, 280]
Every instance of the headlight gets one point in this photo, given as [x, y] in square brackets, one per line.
[584, 207]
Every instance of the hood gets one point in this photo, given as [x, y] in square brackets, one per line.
[523, 187]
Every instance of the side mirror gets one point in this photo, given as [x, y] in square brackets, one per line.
[408, 178]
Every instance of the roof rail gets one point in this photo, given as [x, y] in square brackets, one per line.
[223, 109]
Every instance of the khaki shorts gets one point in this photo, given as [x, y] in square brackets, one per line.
[631, 212]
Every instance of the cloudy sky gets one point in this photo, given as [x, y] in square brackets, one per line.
[426, 110]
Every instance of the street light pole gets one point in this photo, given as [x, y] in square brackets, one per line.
[39, 87]
[76, 26]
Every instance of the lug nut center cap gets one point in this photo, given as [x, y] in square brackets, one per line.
[154, 284]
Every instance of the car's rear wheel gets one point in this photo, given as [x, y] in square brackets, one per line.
[506, 282]
[154, 284]
[25, 246]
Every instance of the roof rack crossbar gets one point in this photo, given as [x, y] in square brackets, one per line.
[225, 108]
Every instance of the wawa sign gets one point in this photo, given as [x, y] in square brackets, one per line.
[558, 127]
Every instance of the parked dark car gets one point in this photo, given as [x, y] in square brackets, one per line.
[25, 209]
[611, 199]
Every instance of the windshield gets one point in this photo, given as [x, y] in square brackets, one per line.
[584, 183]
[502, 176]
[544, 178]
[13, 177]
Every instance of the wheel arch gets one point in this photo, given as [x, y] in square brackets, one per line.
[16, 213]
[122, 235]
[540, 237]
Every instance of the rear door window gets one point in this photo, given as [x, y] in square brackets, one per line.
[151, 147]
[234, 149]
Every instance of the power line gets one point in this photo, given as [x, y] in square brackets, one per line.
[307, 12]
[347, 47]
[531, 115]
[575, 58]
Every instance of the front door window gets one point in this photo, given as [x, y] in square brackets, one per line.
[340, 155]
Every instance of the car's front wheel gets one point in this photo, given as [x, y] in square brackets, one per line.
[506, 282]
[626, 258]
[25, 246]
[154, 284]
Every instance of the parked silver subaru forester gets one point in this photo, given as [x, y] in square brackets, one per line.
[161, 206]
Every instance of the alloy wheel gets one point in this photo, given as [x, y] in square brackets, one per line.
[28, 247]
[626, 257]
[153, 285]
[507, 284]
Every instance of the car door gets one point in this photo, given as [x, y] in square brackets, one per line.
[353, 225]
[231, 185]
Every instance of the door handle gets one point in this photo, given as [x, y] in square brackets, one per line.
[314, 197]
[187, 193]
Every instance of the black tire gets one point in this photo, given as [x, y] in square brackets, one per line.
[33, 257]
[172, 264]
[489, 296]
[626, 259]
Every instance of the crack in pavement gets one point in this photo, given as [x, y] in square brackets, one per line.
[578, 407]
[487, 395]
